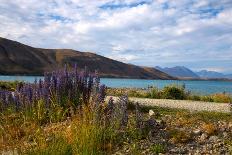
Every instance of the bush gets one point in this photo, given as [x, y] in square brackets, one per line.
[194, 97]
[173, 92]
[10, 86]
[154, 93]
[178, 136]
[209, 128]
[221, 98]
[206, 98]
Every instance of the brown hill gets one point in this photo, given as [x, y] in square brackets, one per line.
[17, 58]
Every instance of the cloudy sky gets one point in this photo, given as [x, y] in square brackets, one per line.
[193, 33]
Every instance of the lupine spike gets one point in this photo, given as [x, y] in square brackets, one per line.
[66, 86]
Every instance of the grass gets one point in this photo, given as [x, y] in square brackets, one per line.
[158, 148]
[169, 92]
[82, 134]
[89, 130]
[11, 86]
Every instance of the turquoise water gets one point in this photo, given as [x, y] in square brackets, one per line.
[203, 87]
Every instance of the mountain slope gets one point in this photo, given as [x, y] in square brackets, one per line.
[17, 58]
[178, 71]
[212, 74]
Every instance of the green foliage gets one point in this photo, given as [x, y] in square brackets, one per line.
[10, 86]
[173, 92]
[178, 136]
[57, 146]
[154, 93]
[135, 149]
[158, 148]
[169, 92]
[91, 136]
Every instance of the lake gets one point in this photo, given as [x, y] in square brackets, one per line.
[203, 87]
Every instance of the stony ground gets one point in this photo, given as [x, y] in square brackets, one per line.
[182, 104]
[180, 135]
[202, 128]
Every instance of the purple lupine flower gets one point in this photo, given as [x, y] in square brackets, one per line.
[102, 93]
[67, 86]
[110, 107]
[138, 116]
[123, 102]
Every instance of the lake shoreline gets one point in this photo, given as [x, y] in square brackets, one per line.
[127, 77]
[196, 86]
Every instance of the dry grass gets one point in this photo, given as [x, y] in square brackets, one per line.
[209, 128]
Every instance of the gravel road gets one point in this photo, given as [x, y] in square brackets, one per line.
[182, 104]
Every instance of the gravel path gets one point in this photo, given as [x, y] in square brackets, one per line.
[182, 104]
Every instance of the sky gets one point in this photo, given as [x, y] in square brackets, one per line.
[192, 33]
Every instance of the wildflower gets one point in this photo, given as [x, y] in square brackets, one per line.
[138, 116]
[123, 102]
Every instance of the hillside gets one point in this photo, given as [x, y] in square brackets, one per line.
[178, 71]
[17, 58]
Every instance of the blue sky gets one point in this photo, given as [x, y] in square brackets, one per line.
[192, 33]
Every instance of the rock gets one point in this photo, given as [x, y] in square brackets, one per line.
[203, 137]
[213, 139]
[197, 132]
[225, 134]
[230, 125]
[151, 113]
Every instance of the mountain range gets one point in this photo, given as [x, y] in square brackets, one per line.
[178, 71]
[17, 58]
[213, 74]
[184, 72]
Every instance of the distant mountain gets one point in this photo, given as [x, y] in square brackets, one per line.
[17, 58]
[212, 74]
[229, 76]
[178, 71]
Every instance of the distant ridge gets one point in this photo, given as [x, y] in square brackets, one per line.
[213, 74]
[17, 58]
[178, 71]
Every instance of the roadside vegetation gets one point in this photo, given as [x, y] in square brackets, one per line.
[9, 85]
[66, 113]
[174, 92]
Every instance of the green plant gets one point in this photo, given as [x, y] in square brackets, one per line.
[154, 93]
[9, 85]
[206, 98]
[158, 148]
[178, 136]
[209, 128]
[221, 98]
[135, 149]
[57, 146]
[173, 92]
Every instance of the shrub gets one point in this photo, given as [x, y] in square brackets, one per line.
[10, 86]
[158, 148]
[178, 136]
[173, 92]
[206, 98]
[223, 98]
[154, 93]
[194, 97]
[209, 128]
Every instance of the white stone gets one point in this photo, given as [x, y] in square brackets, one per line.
[197, 131]
[151, 112]
[213, 138]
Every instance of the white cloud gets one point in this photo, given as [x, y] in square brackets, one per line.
[154, 32]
